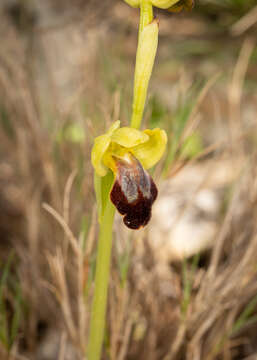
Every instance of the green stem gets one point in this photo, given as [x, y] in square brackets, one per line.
[97, 324]
[146, 14]
[146, 17]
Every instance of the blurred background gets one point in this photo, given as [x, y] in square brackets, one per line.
[183, 288]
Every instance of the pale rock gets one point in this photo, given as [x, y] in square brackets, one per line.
[186, 213]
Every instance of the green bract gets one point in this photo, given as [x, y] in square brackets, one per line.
[146, 51]
[147, 146]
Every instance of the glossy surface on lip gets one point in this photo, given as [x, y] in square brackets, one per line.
[133, 193]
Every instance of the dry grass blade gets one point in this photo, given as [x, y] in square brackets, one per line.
[62, 350]
[56, 264]
[236, 89]
[64, 225]
[193, 122]
[245, 22]
[66, 204]
[67, 192]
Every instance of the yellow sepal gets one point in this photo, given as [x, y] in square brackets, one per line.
[100, 147]
[150, 152]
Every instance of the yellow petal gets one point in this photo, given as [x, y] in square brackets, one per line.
[150, 152]
[114, 127]
[164, 4]
[129, 137]
[101, 145]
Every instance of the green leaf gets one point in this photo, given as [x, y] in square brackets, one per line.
[15, 324]
[245, 315]
[3, 314]
[192, 146]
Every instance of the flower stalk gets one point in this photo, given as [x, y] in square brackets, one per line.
[97, 325]
[146, 15]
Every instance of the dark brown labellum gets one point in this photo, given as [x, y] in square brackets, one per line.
[133, 193]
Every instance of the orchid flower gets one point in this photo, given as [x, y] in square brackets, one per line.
[128, 152]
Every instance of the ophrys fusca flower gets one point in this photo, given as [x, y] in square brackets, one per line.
[129, 152]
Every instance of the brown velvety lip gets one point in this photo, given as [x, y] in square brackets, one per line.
[133, 193]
